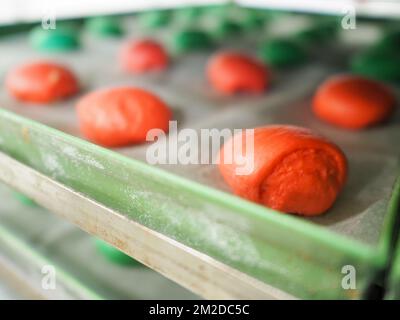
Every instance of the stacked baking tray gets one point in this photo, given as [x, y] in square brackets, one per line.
[393, 291]
[34, 240]
[202, 231]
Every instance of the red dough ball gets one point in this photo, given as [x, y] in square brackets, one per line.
[295, 170]
[41, 82]
[143, 56]
[353, 102]
[121, 116]
[231, 72]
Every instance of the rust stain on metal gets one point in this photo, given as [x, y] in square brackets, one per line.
[25, 134]
[353, 294]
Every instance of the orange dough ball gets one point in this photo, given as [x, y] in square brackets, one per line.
[121, 116]
[143, 56]
[295, 170]
[231, 72]
[41, 82]
[353, 102]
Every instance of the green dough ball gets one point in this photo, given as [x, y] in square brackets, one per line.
[227, 27]
[155, 19]
[218, 11]
[377, 63]
[59, 39]
[12, 29]
[330, 27]
[252, 20]
[390, 41]
[248, 19]
[74, 24]
[114, 255]
[189, 14]
[320, 32]
[190, 40]
[310, 36]
[282, 53]
[24, 199]
[104, 26]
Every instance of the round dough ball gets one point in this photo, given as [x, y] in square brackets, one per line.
[63, 38]
[379, 62]
[231, 72]
[323, 30]
[114, 255]
[155, 19]
[41, 82]
[121, 116]
[391, 40]
[282, 53]
[226, 27]
[107, 26]
[24, 199]
[252, 19]
[188, 14]
[295, 170]
[353, 102]
[143, 56]
[191, 40]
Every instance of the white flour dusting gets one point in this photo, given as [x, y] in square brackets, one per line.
[205, 230]
[77, 156]
[52, 164]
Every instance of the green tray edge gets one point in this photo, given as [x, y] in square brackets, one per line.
[393, 286]
[394, 278]
[21, 248]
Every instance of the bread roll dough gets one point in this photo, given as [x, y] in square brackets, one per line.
[41, 82]
[121, 116]
[191, 40]
[107, 26]
[295, 170]
[380, 62]
[63, 38]
[353, 102]
[282, 53]
[155, 19]
[114, 255]
[143, 56]
[231, 72]
[225, 28]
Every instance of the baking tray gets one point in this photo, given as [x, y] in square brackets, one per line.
[192, 204]
[368, 8]
[32, 237]
[393, 291]
[393, 278]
